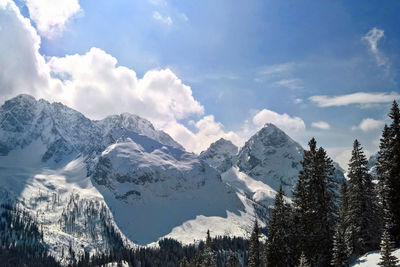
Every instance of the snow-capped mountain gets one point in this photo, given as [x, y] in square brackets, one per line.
[221, 155]
[130, 182]
[272, 157]
[138, 125]
[134, 183]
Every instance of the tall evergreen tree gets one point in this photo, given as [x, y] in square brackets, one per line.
[316, 205]
[280, 249]
[387, 245]
[254, 250]
[208, 256]
[339, 253]
[361, 216]
[388, 170]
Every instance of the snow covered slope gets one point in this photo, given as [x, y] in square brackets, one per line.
[273, 158]
[138, 125]
[130, 182]
[153, 188]
[100, 184]
[371, 259]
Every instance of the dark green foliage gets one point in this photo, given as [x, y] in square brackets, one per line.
[303, 262]
[254, 250]
[387, 245]
[362, 225]
[172, 253]
[232, 261]
[184, 262]
[208, 255]
[339, 253]
[315, 204]
[280, 244]
[388, 170]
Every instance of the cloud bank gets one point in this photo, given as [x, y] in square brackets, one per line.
[355, 98]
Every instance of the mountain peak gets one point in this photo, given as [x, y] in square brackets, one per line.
[271, 135]
[19, 100]
[220, 154]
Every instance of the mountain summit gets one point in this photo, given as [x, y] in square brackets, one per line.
[272, 157]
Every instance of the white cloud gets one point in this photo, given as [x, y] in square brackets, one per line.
[372, 38]
[51, 16]
[290, 83]
[355, 98]
[284, 121]
[164, 19]
[369, 124]
[93, 84]
[298, 101]
[321, 125]
[21, 66]
[277, 69]
[207, 131]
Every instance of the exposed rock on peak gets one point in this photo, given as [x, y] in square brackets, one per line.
[220, 155]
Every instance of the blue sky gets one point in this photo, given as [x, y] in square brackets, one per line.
[240, 64]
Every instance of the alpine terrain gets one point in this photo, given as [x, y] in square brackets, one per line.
[92, 186]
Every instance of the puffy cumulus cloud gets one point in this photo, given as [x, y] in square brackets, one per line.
[93, 84]
[207, 131]
[287, 123]
[51, 16]
[22, 68]
[369, 124]
[321, 125]
[355, 98]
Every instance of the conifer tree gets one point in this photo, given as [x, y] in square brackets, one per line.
[208, 256]
[316, 205]
[339, 253]
[361, 217]
[184, 262]
[303, 262]
[387, 245]
[280, 250]
[254, 250]
[232, 260]
[388, 170]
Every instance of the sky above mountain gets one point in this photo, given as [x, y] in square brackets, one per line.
[201, 70]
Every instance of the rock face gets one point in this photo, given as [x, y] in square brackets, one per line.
[221, 155]
[272, 157]
[63, 130]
